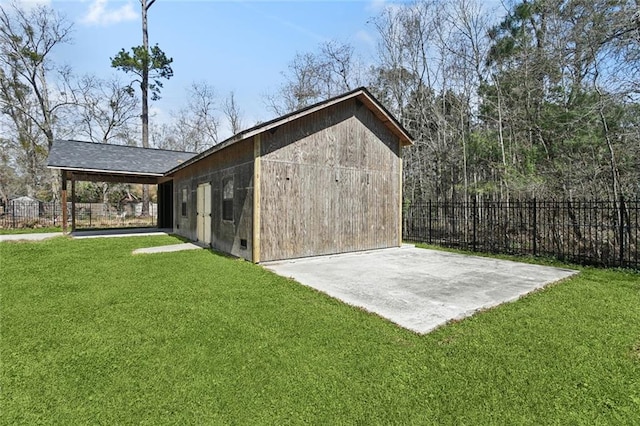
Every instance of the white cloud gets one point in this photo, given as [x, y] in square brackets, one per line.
[100, 14]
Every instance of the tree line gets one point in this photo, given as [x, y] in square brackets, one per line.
[535, 99]
[541, 102]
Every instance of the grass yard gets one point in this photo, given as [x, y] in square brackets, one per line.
[93, 335]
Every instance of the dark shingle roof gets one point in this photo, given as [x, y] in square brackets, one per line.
[100, 157]
[105, 158]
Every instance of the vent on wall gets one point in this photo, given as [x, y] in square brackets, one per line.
[243, 243]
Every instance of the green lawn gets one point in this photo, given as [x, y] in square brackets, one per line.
[93, 335]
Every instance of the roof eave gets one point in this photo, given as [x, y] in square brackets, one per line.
[119, 172]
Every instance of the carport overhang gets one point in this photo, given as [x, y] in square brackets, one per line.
[102, 162]
[111, 176]
[74, 175]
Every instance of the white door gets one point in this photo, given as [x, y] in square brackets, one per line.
[203, 213]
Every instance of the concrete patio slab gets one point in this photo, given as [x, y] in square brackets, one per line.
[167, 249]
[416, 288]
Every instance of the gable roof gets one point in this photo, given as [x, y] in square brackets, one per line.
[122, 160]
[113, 159]
[361, 94]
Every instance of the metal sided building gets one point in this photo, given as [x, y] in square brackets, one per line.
[323, 180]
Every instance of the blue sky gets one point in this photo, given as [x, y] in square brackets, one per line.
[233, 45]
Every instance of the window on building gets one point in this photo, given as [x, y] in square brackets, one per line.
[184, 202]
[227, 199]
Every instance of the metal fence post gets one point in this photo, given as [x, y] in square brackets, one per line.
[535, 227]
[429, 227]
[475, 223]
[621, 218]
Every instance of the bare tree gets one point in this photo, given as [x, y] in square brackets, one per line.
[27, 39]
[232, 112]
[107, 110]
[9, 181]
[197, 124]
[194, 127]
[163, 136]
[315, 76]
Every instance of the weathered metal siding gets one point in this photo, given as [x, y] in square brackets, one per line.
[330, 183]
[234, 161]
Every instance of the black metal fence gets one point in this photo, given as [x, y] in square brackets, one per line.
[593, 232]
[38, 214]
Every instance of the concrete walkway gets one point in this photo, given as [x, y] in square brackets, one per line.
[117, 233]
[102, 233]
[111, 233]
[416, 288]
[30, 237]
[167, 249]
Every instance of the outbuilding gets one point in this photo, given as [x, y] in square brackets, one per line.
[322, 180]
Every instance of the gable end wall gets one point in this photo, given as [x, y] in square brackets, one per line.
[330, 183]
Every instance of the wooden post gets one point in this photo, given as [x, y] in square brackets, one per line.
[63, 198]
[73, 204]
[256, 198]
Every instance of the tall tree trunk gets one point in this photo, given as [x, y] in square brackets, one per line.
[144, 86]
[464, 155]
[615, 173]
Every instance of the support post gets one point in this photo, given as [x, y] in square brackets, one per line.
[400, 178]
[73, 204]
[63, 201]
